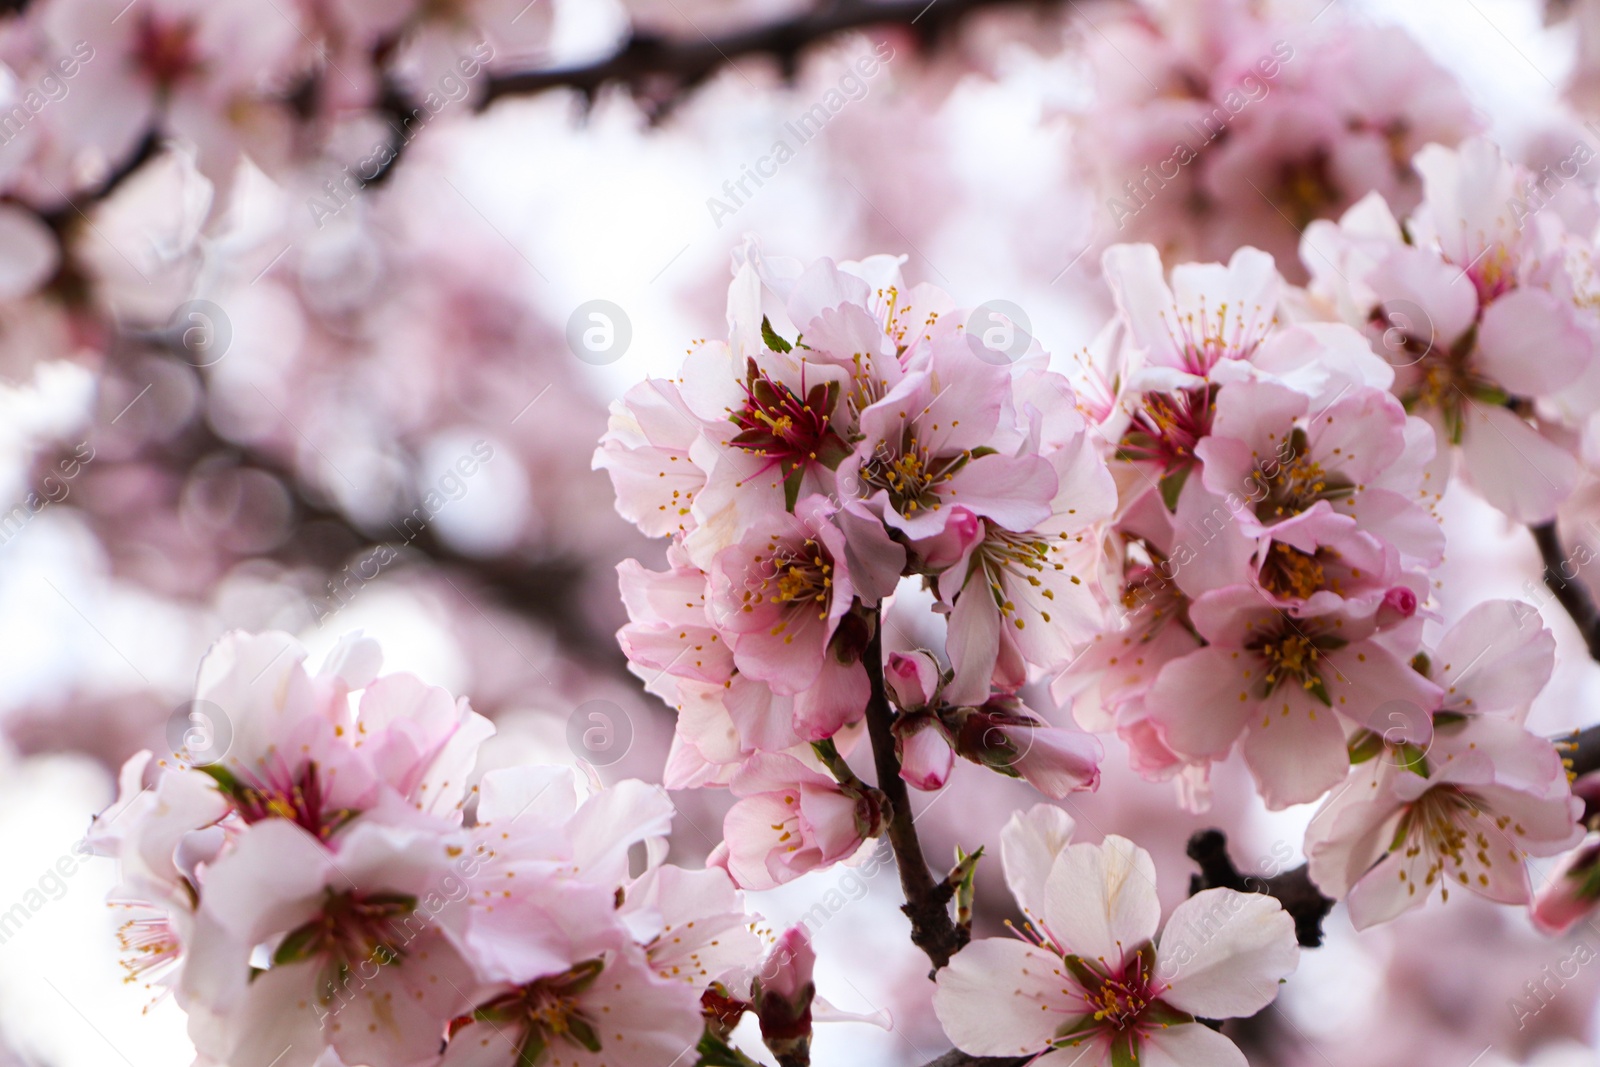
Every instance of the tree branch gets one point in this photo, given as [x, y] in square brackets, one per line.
[541, 589]
[1568, 589]
[1292, 888]
[666, 68]
[956, 1058]
[927, 902]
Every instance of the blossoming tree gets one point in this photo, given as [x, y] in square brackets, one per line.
[892, 543]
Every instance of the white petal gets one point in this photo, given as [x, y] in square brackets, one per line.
[1190, 1045]
[1513, 466]
[1100, 901]
[1001, 997]
[1223, 953]
[1029, 845]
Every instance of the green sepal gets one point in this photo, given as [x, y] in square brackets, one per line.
[230, 785]
[301, 943]
[1411, 758]
[1084, 973]
[580, 1030]
[715, 1052]
[770, 338]
[532, 1049]
[791, 488]
[1365, 745]
[1160, 1013]
[1319, 689]
[1172, 485]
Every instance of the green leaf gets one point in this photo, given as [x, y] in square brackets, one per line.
[770, 338]
[715, 1052]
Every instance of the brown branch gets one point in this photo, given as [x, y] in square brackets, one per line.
[1568, 589]
[667, 68]
[927, 902]
[1292, 888]
[541, 589]
[957, 1058]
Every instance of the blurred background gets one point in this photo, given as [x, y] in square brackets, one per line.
[240, 388]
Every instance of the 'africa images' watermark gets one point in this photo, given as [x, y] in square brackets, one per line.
[1253, 87]
[801, 130]
[342, 191]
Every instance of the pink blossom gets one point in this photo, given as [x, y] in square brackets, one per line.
[935, 440]
[1478, 311]
[1287, 685]
[646, 450]
[1570, 892]
[1006, 736]
[1465, 812]
[1017, 597]
[789, 820]
[781, 594]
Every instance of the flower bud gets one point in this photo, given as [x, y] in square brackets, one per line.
[1572, 892]
[1399, 604]
[782, 995]
[924, 754]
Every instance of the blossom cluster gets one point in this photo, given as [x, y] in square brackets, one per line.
[1280, 454]
[800, 477]
[322, 877]
[1240, 123]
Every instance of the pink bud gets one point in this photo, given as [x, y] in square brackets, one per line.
[1399, 604]
[912, 679]
[925, 757]
[961, 531]
[787, 971]
[1569, 894]
[1058, 762]
[783, 995]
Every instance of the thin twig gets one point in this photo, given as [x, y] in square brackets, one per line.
[927, 902]
[666, 69]
[1570, 591]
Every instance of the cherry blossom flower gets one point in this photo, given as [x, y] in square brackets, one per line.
[783, 594]
[1571, 892]
[1094, 982]
[1478, 311]
[349, 939]
[789, 820]
[1238, 126]
[1004, 735]
[1465, 812]
[609, 1008]
[1017, 597]
[935, 441]
[1288, 685]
